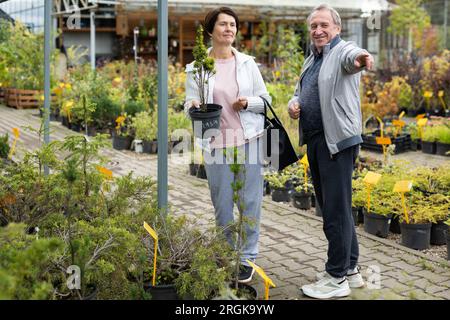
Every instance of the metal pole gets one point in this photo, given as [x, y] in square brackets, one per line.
[163, 48]
[135, 33]
[93, 40]
[47, 52]
[445, 22]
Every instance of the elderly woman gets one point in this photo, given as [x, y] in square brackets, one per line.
[238, 87]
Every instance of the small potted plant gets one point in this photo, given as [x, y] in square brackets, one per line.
[443, 139]
[301, 198]
[145, 129]
[448, 238]
[208, 115]
[416, 232]
[429, 140]
[277, 181]
[121, 136]
[416, 142]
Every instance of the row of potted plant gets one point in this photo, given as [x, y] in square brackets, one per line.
[427, 205]
[77, 233]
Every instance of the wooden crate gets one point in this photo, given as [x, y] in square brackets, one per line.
[24, 99]
[2, 95]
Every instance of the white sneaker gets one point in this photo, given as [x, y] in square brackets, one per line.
[354, 277]
[327, 288]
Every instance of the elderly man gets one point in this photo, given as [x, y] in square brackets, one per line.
[327, 102]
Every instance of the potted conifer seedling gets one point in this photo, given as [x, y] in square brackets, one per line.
[208, 115]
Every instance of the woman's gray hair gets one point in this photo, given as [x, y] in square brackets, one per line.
[334, 14]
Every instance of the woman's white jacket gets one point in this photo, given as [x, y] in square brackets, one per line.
[250, 85]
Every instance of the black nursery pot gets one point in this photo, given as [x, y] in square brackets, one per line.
[318, 210]
[201, 172]
[355, 215]
[377, 224]
[302, 200]
[266, 187]
[193, 168]
[121, 143]
[416, 236]
[442, 148]
[395, 225]
[313, 200]
[448, 243]
[280, 194]
[429, 147]
[438, 234]
[203, 121]
[162, 292]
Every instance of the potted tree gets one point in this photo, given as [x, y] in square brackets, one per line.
[208, 115]
[121, 136]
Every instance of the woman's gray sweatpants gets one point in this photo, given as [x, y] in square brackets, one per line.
[220, 178]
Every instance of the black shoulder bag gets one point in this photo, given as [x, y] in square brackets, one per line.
[277, 147]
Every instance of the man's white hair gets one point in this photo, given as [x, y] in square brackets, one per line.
[334, 13]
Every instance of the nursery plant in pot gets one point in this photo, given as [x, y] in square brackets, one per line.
[440, 213]
[448, 238]
[416, 234]
[121, 136]
[208, 115]
[416, 142]
[301, 198]
[443, 139]
[377, 221]
[429, 140]
[144, 126]
[277, 183]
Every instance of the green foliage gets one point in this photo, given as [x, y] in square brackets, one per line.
[25, 262]
[144, 125]
[203, 68]
[440, 133]
[21, 62]
[407, 15]
[132, 108]
[4, 146]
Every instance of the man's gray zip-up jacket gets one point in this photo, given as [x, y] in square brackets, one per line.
[340, 103]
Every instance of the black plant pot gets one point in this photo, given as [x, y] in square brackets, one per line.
[395, 225]
[162, 292]
[355, 215]
[280, 194]
[313, 200]
[318, 210]
[122, 143]
[202, 121]
[416, 236]
[416, 145]
[65, 121]
[429, 147]
[377, 224]
[201, 172]
[75, 127]
[193, 168]
[438, 234]
[360, 215]
[245, 291]
[442, 148]
[92, 295]
[149, 146]
[448, 243]
[266, 187]
[302, 200]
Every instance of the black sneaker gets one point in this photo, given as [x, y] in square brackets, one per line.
[245, 273]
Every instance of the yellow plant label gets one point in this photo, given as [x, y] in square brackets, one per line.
[441, 93]
[305, 161]
[401, 115]
[16, 132]
[106, 172]
[422, 122]
[261, 273]
[383, 140]
[399, 123]
[151, 231]
[372, 178]
[403, 186]
[420, 116]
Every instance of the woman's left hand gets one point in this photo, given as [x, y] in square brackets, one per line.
[241, 103]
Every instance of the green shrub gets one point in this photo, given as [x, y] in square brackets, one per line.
[4, 146]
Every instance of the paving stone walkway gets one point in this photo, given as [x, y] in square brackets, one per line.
[292, 244]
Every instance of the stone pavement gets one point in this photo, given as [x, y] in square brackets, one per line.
[292, 244]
